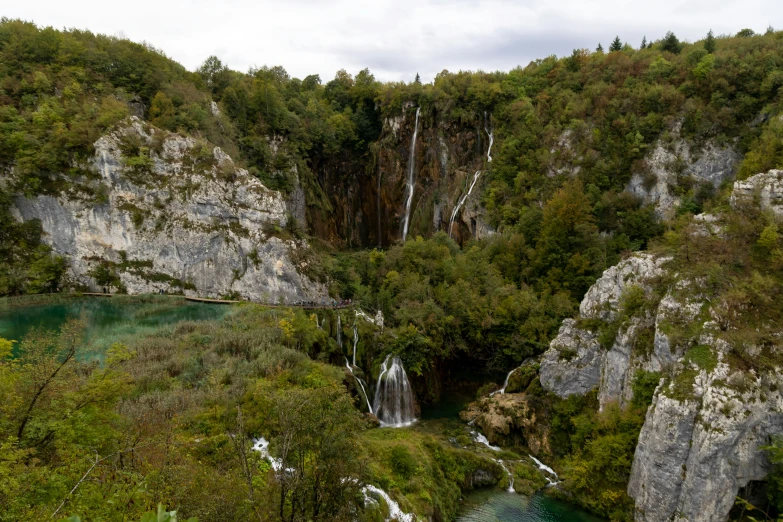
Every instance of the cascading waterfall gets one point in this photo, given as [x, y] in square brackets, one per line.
[395, 512]
[547, 469]
[510, 476]
[355, 340]
[361, 384]
[491, 138]
[393, 403]
[502, 391]
[409, 187]
[462, 200]
[481, 439]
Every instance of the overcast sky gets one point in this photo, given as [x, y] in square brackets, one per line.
[395, 39]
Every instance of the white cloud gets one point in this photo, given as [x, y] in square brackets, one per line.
[395, 39]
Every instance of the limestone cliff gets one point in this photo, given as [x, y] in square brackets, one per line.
[711, 412]
[162, 211]
[671, 160]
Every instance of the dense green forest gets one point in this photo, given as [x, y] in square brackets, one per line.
[169, 417]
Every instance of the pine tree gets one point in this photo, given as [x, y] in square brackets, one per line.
[418, 79]
[671, 43]
[616, 45]
[600, 48]
[644, 42]
[709, 43]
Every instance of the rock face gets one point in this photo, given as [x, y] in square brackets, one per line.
[713, 164]
[172, 214]
[504, 418]
[767, 187]
[700, 443]
[576, 362]
[701, 438]
[366, 203]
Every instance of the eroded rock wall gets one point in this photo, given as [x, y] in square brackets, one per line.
[184, 219]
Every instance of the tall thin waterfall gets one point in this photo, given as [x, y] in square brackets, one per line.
[361, 383]
[393, 403]
[462, 200]
[409, 186]
[355, 341]
[491, 138]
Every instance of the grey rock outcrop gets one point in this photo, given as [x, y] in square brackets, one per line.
[713, 164]
[701, 440]
[767, 187]
[576, 362]
[186, 218]
[572, 365]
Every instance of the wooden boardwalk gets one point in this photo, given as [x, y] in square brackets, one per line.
[213, 301]
[207, 300]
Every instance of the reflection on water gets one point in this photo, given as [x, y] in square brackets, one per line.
[109, 320]
[501, 506]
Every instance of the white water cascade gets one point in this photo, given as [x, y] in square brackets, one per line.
[355, 340]
[481, 439]
[491, 138]
[393, 402]
[462, 200]
[510, 476]
[395, 512]
[409, 186]
[502, 391]
[361, 384]
[547, 469]
[261, 445]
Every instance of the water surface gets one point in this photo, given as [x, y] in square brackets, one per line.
[501, 506]
[109, 319]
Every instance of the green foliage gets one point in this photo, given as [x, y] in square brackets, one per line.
[709, 43]
[671, 43]
[775, 478]
[702, 356]
[643, 385]
[617, 45]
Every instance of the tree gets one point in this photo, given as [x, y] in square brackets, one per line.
[215, 75]
[670, 43]
[709, 43]
[616, 45]
[417, 80]
[745, 33]
[316, 432]
[600, 48]
[644, 42]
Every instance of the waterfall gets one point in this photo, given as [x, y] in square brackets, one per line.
[502, 391]
[510, 476]
[393, 403]
[261, 445]
[462, 200]
[339, 332]
[395, 512]
[355, 340]
[361, 384]
[409, 186]
[491, 138]
[547, 469]
[481, 439]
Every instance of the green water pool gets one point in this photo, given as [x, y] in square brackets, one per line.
[109, 319]
[501, 506]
